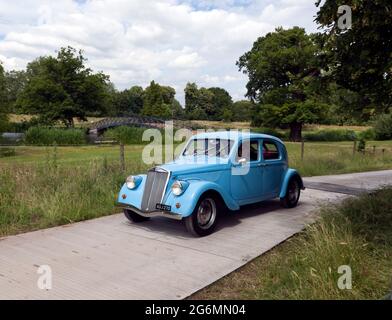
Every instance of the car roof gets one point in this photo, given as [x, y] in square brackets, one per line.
[234, 135]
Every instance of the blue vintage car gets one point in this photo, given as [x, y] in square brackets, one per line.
[215, 173]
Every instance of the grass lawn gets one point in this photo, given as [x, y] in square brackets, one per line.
[70, 156]
[356, 233]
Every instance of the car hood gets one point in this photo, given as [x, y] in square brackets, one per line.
[197, 164]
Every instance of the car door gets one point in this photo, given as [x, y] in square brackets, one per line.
[273, 164]
[246, 185]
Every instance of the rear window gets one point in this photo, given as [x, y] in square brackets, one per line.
[270, 151]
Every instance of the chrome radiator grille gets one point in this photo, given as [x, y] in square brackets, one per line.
[154, 188]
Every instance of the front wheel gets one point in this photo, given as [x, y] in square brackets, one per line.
[293, 192]
[134, 217]
[204, 218]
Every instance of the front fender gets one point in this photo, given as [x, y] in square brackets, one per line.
[132, 197]
[191, 196]
[289, 174]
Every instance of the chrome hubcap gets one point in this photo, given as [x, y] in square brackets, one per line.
[206, 213]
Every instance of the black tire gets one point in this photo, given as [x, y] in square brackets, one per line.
[134, 217]
[292, 194]
[202, 224]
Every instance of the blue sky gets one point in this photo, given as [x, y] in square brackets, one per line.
[169, 41]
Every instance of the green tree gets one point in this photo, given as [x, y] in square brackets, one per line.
[62, 87]
[128, 101]
[242, 110]
[359, 58]
[15, 82]
[206, 103]
[3, 102]
[177, 110]
[157, 101]
[221, 100]
[227, 115]
[191, 98]
[284, 79]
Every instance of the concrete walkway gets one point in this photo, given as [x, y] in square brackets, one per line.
[110, 258]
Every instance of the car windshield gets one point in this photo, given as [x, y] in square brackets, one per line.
[210, 147]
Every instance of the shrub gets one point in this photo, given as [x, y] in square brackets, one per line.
[4, 124]
[383, 127]
[50, 136]
[368, 135]
[331, 135]
[361, 145]
[126, 135]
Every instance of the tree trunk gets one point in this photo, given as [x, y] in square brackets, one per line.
[295, 131]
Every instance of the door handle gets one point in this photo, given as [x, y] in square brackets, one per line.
[262, 165]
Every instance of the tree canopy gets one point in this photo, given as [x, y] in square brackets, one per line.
[3, 105]
[359, 58]
[15, 82]
[159, 101]
[284, 79]
[128, 101]
[206, 103]
[62, 87]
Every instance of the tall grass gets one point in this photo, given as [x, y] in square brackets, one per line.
[331, 135]
[45, 195]
[51, 136]
[326, 159]
[126, 135]
[356, 233]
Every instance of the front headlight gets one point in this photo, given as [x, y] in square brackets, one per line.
[133, 181]
[178, 187]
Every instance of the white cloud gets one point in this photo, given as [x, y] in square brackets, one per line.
[170, 41]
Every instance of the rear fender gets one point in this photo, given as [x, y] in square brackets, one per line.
[290, 173]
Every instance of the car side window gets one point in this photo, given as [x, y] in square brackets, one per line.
[270, 151]
[248, 150]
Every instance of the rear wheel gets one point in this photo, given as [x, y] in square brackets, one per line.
[292, 194]
[204, 218]
[134, 217]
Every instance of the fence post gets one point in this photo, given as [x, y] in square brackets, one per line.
[354, 147]
[122, 158]
[302, 150]
[374, 150]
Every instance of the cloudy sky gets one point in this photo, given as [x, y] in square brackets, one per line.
[136, 41]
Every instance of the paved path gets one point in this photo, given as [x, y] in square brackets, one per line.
[110, 258]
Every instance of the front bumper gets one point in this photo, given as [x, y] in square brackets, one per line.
[149, 214]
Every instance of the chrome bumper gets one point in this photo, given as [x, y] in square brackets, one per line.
[152, 213]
